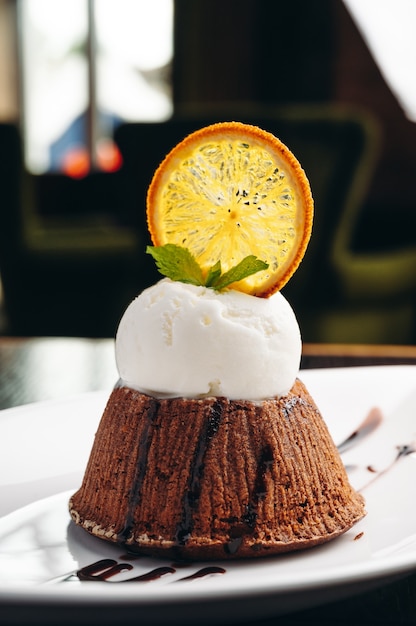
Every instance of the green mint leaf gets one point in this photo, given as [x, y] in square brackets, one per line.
[248, 266]
[177, 263]
[213, 275]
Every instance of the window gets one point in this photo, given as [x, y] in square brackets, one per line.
[388, 28]
[86, 66]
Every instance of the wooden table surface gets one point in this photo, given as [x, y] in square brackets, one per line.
[37, 369]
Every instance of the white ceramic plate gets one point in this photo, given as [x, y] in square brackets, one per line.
[43, 451]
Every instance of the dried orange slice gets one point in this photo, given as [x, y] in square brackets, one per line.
[230, 190]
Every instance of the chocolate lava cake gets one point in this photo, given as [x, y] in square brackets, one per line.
[213, 478]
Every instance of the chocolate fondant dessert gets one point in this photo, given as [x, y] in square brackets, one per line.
[214, 478]
[210, 447]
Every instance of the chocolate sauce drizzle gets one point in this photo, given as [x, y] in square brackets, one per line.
[371, 422]
[192, 494]
[202, 573]
[143, 452]
[369, 425]
[248, 520]
[265, 462]
[103, 570]
[402, 451]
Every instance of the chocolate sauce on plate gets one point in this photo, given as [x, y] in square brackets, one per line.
[371, 422]
[103, 570]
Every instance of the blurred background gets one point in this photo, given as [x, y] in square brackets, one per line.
[94, 93]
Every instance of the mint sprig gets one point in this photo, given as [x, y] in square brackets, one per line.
[177, 263]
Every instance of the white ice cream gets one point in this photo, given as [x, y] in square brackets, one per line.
[180, 340]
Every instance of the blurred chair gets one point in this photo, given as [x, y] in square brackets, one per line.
[337, 295]
[379, 289]
[61, 275]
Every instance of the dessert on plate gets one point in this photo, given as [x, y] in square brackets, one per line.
[210, 446]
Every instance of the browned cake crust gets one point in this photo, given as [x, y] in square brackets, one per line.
[213, 478]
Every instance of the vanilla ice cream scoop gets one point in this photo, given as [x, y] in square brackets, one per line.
[179, 340]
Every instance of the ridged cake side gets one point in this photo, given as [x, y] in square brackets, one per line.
[214, 478]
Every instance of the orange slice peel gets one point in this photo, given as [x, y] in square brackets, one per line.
[230, 190]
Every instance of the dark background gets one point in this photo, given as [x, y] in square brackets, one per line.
[299, 51]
